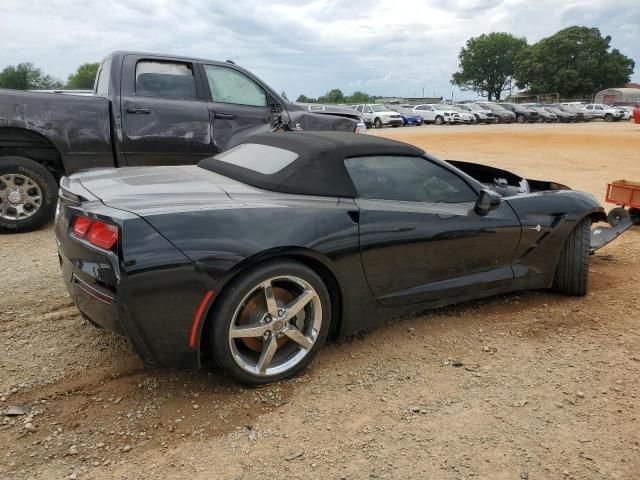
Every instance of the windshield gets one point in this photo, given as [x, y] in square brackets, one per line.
[494, 107]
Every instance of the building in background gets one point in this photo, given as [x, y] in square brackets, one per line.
[618, 96]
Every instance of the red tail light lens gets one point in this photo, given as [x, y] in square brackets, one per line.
[98, 233]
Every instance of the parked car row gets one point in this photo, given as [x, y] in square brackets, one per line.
[379, 115]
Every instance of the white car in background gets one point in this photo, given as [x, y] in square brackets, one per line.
[465, 117]
[436, 114]
[379, 115]
[482, 115]
[607, 113]
[627, 112]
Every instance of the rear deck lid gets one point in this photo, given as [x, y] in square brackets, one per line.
[157, 190]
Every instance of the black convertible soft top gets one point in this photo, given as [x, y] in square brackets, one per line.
[308, 163]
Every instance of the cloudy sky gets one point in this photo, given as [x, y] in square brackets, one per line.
[385, 47]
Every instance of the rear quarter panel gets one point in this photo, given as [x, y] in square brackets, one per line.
[78, 126]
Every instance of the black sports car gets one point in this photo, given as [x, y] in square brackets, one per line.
[255, 256]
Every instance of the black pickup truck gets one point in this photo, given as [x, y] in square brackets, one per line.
[146, 109]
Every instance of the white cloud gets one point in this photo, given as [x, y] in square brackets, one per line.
[383, 47]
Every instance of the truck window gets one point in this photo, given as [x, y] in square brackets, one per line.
[165, 79]
[102, 82]
[230, 86]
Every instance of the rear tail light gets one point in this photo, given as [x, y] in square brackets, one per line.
[96, 232]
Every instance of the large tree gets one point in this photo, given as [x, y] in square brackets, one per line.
[84, 77]
[26, 76]
[574, 62]
[487, 63]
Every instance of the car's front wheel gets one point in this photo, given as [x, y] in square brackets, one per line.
[28, 194]
[270, 322]
[608, 117]
[521, 118]
[439, 120]
[572, 271]
[377, 123]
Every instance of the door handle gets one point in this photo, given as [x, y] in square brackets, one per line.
[225, 116]
[137, 109]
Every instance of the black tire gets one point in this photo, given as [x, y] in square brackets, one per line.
[44, 181]
[439, 120]
[608, 117]
[521, 118]
[634, 214]
[617, 214]
[230, 300]
[377, 123]
[572, 271]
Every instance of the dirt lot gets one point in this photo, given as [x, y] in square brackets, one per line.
[549, 386]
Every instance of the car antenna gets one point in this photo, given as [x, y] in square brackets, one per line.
[230, 61]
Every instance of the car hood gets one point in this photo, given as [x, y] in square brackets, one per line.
[146, 191]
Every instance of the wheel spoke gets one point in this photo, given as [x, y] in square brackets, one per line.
[298, 337]
[272, 306]
[268, 351]
[246, 331]
[299, 303]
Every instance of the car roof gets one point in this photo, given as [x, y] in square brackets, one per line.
[318, 168]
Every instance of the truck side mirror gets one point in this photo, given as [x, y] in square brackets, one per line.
[487, 200]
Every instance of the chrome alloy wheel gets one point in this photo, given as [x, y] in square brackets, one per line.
[20, 197]
[275, 326]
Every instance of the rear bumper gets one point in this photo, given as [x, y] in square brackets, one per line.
[148, 290]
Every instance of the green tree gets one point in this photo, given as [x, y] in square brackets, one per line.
[26, 76]
[575, 61]
[332, 96]
[305, 99]
[84, 77]
[487, 63]
[357, 97]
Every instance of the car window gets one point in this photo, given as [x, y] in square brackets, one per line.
[230, 86]
[598, 107]
[359, 108]
[102, 83]
[165, 79]
[367, 109]
[410, 179]
[263, 159]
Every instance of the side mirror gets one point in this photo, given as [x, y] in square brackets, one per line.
[487, 200]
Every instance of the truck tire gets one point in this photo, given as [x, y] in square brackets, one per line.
[377, 123]
[572, 271]
[28, 195]
[439, 120]
[608, 117]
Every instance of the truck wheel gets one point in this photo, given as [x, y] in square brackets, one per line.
[634, 213]
[572, 271]
[439, 120]
[608, 117]
[28, 195]
[616, 215]
[377, 123]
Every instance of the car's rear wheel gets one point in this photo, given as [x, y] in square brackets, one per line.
[270, 322]
[28, 195]
[377, 123]
[572, 271]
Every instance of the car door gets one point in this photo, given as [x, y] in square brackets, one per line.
[421, 239]
[238, 105]
[427, 111]
[165, 120]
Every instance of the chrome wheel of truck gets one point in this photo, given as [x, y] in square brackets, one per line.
[28, 194]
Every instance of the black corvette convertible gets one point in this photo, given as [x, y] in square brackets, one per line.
[253, 258]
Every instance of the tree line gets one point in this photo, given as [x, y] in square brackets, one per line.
[26, 76]
[575, 62]
[336, 96]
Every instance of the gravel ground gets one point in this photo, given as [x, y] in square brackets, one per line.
[522, 386]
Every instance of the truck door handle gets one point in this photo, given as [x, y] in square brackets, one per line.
[137, 109]
[225, 116]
